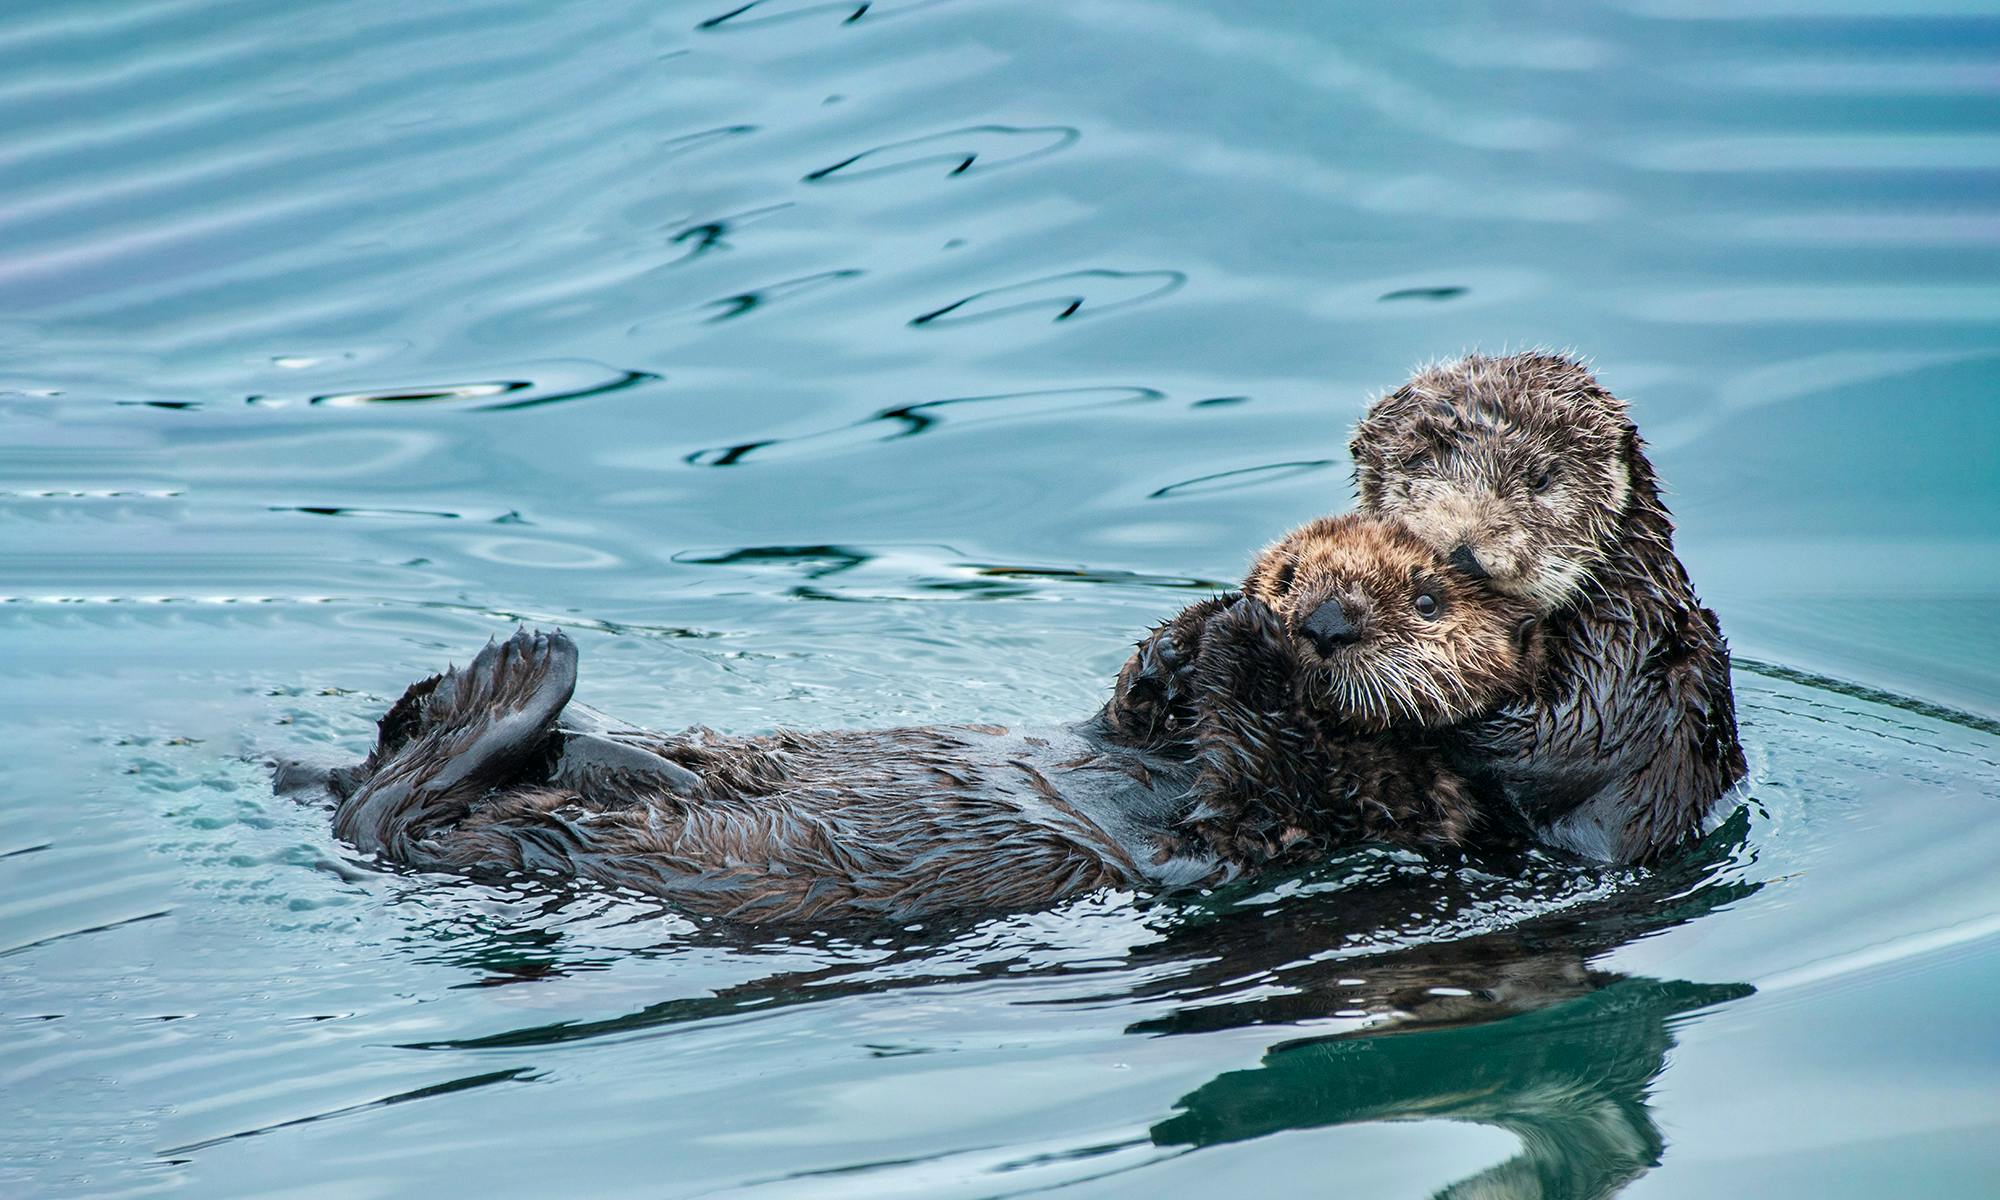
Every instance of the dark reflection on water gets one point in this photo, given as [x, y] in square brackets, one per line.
[974, 148]
[1569, 1080]
[731, 307]
[565, 384]
[909, 420]
[1222, 481]
[1514, 1029]
[772, 12]
[1425, 293]
[172, 1154]
[919, 571]
[708, 236]
[1072, 294]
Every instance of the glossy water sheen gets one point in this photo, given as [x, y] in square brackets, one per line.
[829, 363]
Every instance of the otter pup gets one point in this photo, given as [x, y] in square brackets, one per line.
[1525, 472]
[1319, 701]
[1307, 717]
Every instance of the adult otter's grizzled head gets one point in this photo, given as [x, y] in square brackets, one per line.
[1522, 469]
[1389, 633]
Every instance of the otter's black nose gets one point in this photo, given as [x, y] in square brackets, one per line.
[1329, 627]
[1465, 562]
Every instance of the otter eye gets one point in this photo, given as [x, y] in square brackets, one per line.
[1427, 606]
[1283, 583]
[1540, 483]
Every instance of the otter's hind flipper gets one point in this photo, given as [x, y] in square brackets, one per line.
[452, 737]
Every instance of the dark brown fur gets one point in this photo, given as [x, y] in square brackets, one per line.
[1303, 751]
[1269, 752]
[1532, 468]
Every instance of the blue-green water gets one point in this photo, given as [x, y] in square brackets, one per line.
[825, 366]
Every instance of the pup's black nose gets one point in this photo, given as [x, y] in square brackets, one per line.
[1465, 562]
[1329, 627]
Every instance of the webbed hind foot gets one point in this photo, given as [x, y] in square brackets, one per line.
[454, 736]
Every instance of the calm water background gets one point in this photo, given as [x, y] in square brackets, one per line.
[822, 366]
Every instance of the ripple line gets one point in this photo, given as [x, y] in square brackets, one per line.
[536, 396]
[909, 420]
[24, 947]
[744, 303]
[917, 152]
[511, 1075]
[706, 237]
[773, 12]
[1424, 293]
[569, 620]
[1873, 695]
[1241, 477]
[1040, 293]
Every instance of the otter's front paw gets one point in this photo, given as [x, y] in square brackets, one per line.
[1246, 653]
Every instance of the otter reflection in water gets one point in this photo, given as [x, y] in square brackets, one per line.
[1516, 1029]
[1570, 1081]
[1519, 1028]
[1303, 715]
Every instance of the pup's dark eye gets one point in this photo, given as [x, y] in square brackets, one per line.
[1540, 483]
[1428, 606]
[1283, 583]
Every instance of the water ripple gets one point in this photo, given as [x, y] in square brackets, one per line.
[962, 149]
[1071, 294]
[559, 383]
[1424, 293]
[512, 1075]
[1243, 477]
[909, 420]
[744, 303]
[772, 12]
[886, 572]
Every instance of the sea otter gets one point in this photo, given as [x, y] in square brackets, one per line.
[1308, 715]
[1524, 471]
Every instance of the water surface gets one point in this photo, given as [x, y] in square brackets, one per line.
[844, 363]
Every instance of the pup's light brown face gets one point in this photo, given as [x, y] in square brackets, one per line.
[1390, 634]
[1516, 469]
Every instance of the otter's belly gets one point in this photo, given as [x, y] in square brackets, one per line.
[892, 821]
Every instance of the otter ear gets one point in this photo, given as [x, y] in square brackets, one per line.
[1524, 633]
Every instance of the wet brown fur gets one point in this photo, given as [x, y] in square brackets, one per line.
[1242, 766]
[1526, 461]
[1303, 752]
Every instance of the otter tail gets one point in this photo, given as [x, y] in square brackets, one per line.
[453, 737]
